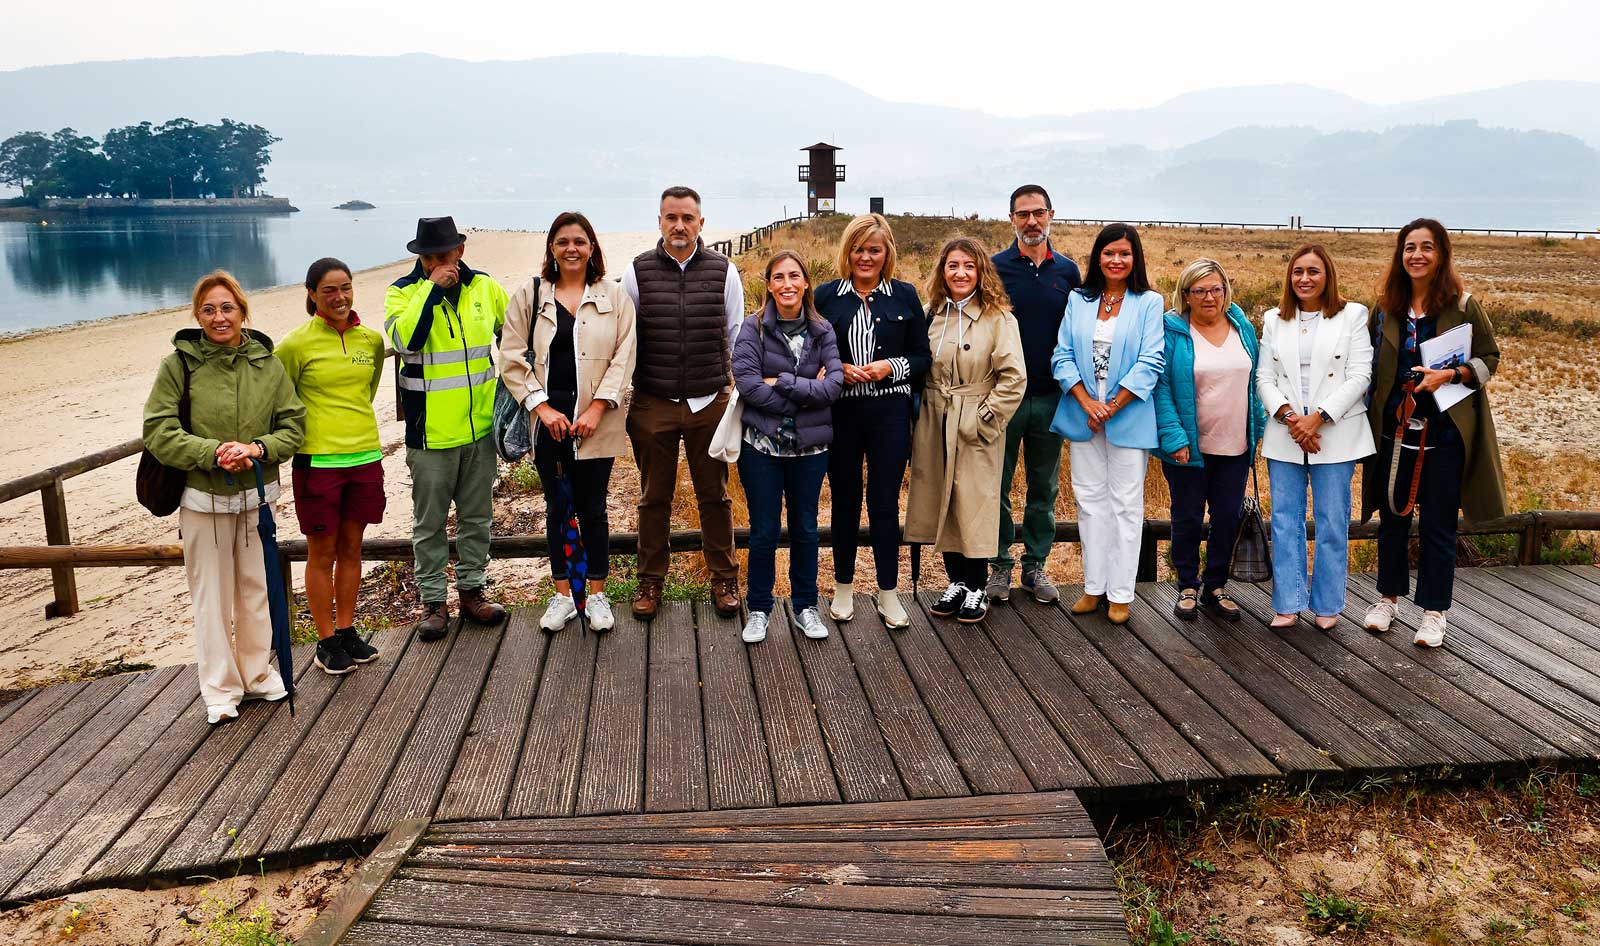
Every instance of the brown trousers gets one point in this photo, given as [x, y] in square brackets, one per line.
[655, 425]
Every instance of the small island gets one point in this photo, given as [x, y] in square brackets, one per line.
[356, 205]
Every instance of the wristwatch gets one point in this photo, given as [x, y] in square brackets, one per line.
[263, 448]
[1326, 417]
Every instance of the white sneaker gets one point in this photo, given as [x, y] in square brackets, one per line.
[1430, 633]
[558, 612]
[597, 608]
[891, 610]
[810, 624]
[272, 692]
[216, 714]
[755, 629]
[1382, 614]
[843, 605]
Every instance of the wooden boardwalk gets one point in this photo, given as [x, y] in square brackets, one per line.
[120, 778]
[1022, 869]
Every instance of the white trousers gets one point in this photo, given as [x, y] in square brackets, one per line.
[1108, 483]
[228, 593]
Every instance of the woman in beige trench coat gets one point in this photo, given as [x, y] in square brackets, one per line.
[973, 388]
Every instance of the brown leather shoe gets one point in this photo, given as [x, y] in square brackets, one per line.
[1118, 613]
[477, 608]
[435, 620]
[647, 598]
[1086, 604]
[725, 596]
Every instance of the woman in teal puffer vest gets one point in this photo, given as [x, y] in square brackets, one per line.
[242, 409]
[1209, 420]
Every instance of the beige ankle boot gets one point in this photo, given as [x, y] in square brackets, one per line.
[843, 605]
[891, 610]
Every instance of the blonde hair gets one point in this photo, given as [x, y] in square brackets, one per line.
[857, 232]
[991, 291]
[210, 281]
[1193, 273]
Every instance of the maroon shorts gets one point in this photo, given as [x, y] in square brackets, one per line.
[325, 497]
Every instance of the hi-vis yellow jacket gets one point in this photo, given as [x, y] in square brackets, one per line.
[447, 376]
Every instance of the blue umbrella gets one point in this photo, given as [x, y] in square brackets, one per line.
[566, 512]
[277, 590]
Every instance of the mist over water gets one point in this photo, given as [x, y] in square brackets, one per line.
[74, 270]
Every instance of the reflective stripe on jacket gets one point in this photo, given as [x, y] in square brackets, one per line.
[447, 378]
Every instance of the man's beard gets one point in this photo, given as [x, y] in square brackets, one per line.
[1026, 240]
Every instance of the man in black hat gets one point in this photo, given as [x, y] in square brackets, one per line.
[442, 318]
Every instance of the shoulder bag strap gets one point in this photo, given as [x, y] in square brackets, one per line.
[1408, 406]
[183, 399]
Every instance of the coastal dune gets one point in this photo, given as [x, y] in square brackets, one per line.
[78, 389]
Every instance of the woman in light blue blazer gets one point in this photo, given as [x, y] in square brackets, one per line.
[1109, 353]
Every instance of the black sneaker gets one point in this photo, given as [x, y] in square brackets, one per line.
[332, 658]
[949, 602]
[359, 650]
[974, 608]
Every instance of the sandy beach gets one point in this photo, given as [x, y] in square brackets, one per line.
[80, 389]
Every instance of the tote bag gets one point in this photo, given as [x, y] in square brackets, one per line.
[513, 437]
[1252, 553]
[729, 435]
[160, 487]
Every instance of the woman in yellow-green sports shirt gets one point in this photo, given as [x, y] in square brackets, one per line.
[335, 364]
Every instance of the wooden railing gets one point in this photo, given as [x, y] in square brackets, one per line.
[1301, 225]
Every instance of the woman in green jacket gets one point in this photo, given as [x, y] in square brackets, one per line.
[242, 409]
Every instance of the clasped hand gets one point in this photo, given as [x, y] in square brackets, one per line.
[560, 428]
[1099, 412]
[867, 373]
[1305, 430]
[235, 457]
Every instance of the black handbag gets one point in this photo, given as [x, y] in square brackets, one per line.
[1252, 551]
[513, 434]
[158, 486]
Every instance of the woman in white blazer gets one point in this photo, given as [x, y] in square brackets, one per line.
[1312, 378]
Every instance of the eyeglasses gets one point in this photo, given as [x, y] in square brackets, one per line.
[1041, 214]
[1206, 292]
[228, 308]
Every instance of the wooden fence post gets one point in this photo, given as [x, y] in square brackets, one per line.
[57, 532]
[1531, 543]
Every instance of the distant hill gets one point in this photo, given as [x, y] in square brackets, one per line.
[421, 126]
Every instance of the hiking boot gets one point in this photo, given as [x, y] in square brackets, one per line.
[950, 602]
[435, 620]
[359, 650]
[891, 610]
[1044, 590]
[998, 587]
[1118, 613]
[1381, 615]
[1221, 606]
[558, 612]
[647, 599]
[1086, 604]
[725, 596]
[332, 657]
[1430, 633]
[477, 608]
[809, 623]
[597, 608]
[974, 607]
[843, 605]
[755, 628]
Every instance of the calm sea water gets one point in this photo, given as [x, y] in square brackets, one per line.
[75, 270]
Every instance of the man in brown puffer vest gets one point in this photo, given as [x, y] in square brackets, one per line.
[689, 303]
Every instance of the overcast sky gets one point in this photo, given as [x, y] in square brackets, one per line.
[1016, 57]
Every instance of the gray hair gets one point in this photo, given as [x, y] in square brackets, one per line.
[1193, 273]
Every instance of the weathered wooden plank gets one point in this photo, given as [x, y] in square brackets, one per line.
[181, 799]
[1552, 576]
[675, 737]
[865, 770]
[12, 705]
[691, 851]
[41, 783]
[738, 770]
[1511, 741]
[86, 814]
[32, 710]
[367, 933]
[663, 920]
[547, 774]
[1162, 747]
[356, 895]
[1572, 620]
[354, 778]
[1209, 731]
[430, 754]
[1589, 573]
[926, 767]
[486, 766]
[237, 819]
[1038, 747]
[958, 828]
[1089, 906]
[976, 744]
[1327, 729]
[613, 756]
[49, 731]
[801, 771]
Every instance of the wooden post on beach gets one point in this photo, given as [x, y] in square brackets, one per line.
[57, 532]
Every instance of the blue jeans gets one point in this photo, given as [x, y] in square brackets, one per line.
[1330, 502]
[768, 482]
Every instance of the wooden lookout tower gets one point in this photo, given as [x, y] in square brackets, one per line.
[820, 176]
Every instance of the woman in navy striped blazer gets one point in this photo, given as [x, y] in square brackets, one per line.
[883, 342]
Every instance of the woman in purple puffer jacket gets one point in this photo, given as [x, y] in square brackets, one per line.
[786, 365]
